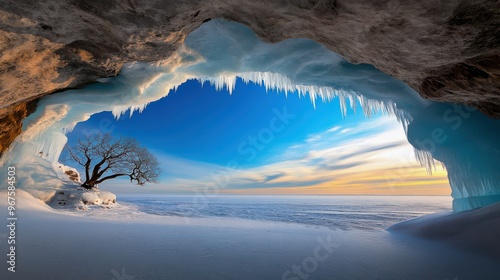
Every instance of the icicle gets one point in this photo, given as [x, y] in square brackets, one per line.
[221, 82]
[281, 83]
[426, 160]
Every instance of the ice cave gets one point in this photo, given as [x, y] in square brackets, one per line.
[460, 138]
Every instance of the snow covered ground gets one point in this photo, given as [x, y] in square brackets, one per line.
[122, 243]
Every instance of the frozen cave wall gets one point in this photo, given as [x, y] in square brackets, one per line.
[460, 137]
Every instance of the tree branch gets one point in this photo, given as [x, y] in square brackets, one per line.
[110, 177]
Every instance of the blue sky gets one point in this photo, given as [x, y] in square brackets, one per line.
[273, 143]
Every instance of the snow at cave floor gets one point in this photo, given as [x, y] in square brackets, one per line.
[124, 243]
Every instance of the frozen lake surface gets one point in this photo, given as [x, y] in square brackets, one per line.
[334, 212]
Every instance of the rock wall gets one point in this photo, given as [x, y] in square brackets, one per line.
[447, 50]
[11, 122]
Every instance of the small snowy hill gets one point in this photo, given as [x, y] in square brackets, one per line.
[477, 229]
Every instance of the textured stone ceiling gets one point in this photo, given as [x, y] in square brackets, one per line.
[446, 50]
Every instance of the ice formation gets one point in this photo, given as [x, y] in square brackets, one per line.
[220, 51]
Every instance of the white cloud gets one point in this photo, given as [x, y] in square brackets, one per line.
[368, 153]
[333, 129]
[313, 138]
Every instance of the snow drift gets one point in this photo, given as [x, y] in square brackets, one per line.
[476, 229]
[219, 51]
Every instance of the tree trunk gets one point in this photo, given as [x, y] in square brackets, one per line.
[87, 185]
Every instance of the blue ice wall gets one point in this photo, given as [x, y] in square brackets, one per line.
[466, 141]
[463, 139]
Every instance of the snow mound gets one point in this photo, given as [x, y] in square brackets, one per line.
[80, 198]
[107, 197]
[477, 229]
[25, 200]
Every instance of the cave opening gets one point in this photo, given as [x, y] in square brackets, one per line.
[272, 142]
[220, 52]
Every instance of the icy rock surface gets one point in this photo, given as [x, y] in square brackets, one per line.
[464, 140]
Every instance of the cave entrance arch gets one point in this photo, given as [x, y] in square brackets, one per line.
[220, 51]
[263, 141]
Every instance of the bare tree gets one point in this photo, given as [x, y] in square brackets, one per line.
[104, 157]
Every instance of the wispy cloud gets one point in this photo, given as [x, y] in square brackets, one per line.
[313, 138]
[372, 157]
[333, 129]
